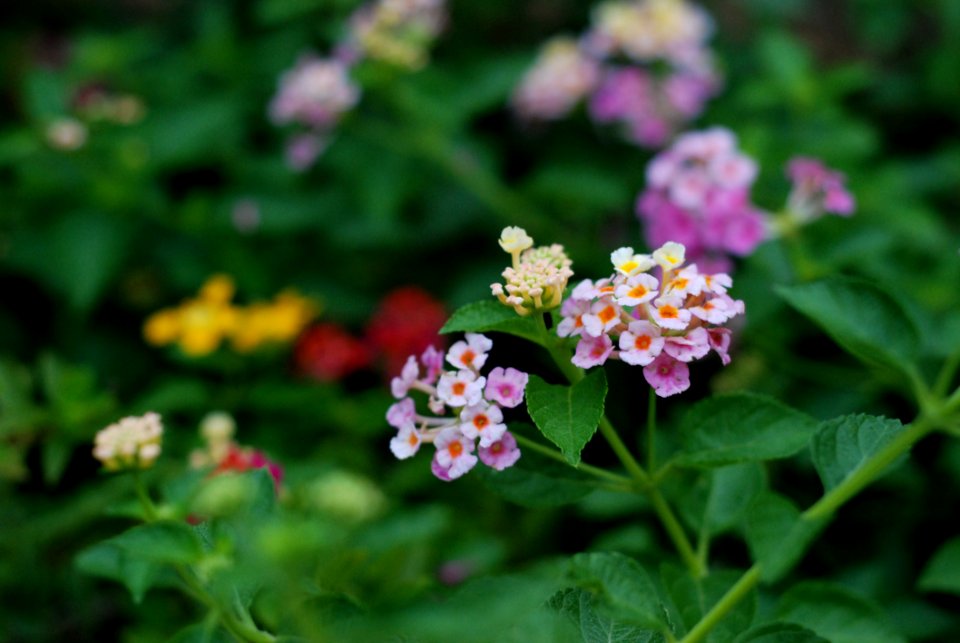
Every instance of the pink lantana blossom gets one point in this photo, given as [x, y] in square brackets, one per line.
[501, 454]
[689, 347]
[471, 353]
[667, 375]
[668, 322]
[401, 413]
[462, 388]
[406, 443]
[592, 351]
[484, 421]
[466, 407]
[604, 315]
[641, 343]
[506, 386]
[454, 456]
[816, 190]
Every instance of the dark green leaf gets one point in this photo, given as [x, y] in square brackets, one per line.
[865, 320]
[777, 535]
[596, 627]
[108, 560]
[568, 415]
[842, 445]
[942, 573]
[693, 598]
[201, 633]
[780, 633]
[491, 315]
[161, 542]
[742, 427]
[837, 614]
[535, 481]
[622, 587]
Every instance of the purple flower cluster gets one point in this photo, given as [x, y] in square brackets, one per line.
[475, 402]
[816, 190]
[643, 65]
[659, 324]
[317, 91]
[698, 194]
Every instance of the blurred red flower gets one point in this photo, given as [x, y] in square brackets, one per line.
[327, 352]
[406, 322]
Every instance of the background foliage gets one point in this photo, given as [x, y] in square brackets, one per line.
[414, 189]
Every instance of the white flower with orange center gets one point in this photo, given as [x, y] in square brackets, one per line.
[406, 443]
[641, 343]
[603, 317]
[454, 456]
[470, 353]
[462, 388]
[484, 421]
[668, 312]
[686, 281]
[638, 289]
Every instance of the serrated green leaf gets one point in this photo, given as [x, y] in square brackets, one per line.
[693, 598]
[491, 315]
[595, 627]
[568, 415]
[942, 573]
[842, 445]
[742, 427]
[863, 319]
[836, 613]
[161, 542]
[780, 633]
[111, 561]
[622, 587]
[777, 535]
[537, 482]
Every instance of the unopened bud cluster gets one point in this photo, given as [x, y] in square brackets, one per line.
[537, 277]
[131, 443]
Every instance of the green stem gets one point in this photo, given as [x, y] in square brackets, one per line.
[243, 628]
[734, 595]
[585, 468]
[872, 468]
[652, 431]
[149, 509]
[676, 533]
[946, 375]
[623, 453]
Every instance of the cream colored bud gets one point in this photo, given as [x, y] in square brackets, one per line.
[515, 239]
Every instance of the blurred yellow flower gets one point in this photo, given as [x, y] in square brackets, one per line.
[200, 325]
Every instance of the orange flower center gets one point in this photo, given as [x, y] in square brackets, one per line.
[455, 449]
[607, 314]
[458, 388]
[481, 422]
[669, 312]
[679, 283]
[466, 358]
[413, 439]
[638, 291]
[642, 342]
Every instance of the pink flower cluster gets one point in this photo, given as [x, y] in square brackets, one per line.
[317, 91]
[314, 94]
[698, 194]
[475, 404]
[660, 324]
[643, 65]
[816, 190]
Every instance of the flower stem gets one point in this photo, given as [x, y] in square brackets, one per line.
[149, 509]
[652, 431]
[946, 375]
[734, 595]
[585, 468]
[676, 533]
